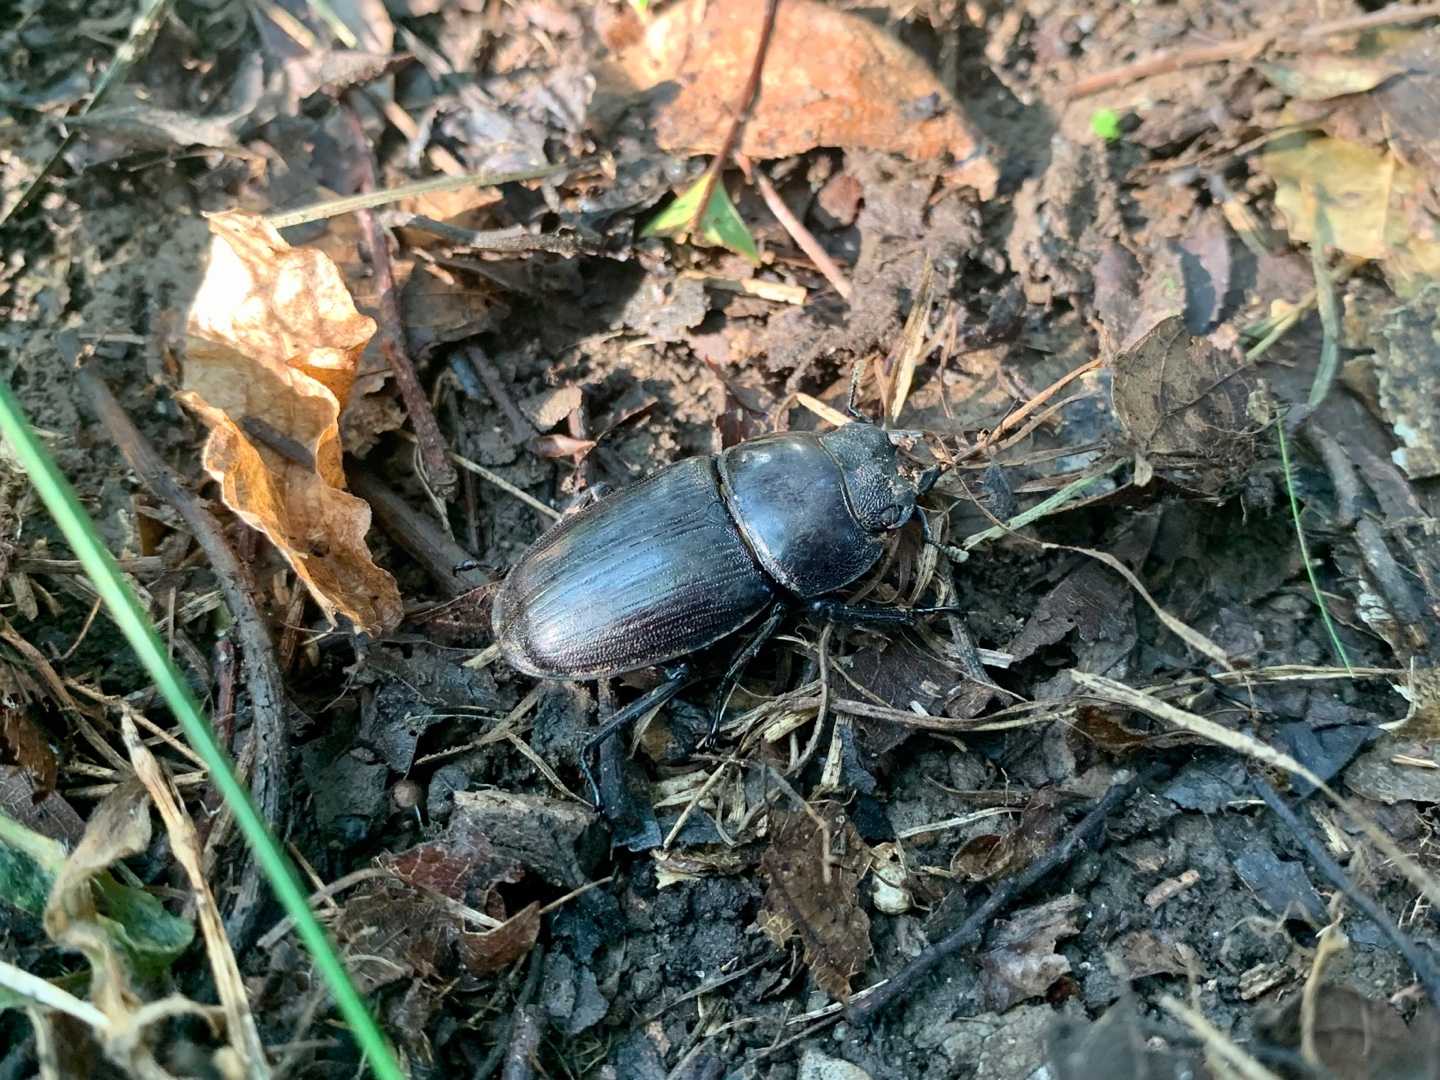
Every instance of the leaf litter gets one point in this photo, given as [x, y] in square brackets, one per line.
[846, 809]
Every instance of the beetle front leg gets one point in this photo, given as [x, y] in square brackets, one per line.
[676, 676]
[731, 678]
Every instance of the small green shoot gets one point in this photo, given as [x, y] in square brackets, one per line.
[1105, 123]
[720, 225]
[1305, 548]
[640, 6]
[79, 531]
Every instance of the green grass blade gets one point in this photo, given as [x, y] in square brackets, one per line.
[1305, 548]
[125, 610]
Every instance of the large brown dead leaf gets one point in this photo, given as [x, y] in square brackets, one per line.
[1183, 403]
[822, 910]
[272, 345]
[831, 79]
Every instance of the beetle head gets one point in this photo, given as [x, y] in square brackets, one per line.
[879, 494]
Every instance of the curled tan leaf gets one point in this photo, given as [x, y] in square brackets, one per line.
[272, 346]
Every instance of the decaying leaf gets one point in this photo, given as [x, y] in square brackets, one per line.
[1143, 953]
[497, 949]
[820, 905]
[832, 79]
[91, 912]
[22, 742]
[1357, 1038]
[1320, 77]
[1407, 366]
[1363, 201]
[1182, 403]
[1021, 961]
[272, 345]
[995, 855]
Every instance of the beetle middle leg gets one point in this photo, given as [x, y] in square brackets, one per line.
[731, 678]
[676, 676]
[874, 614]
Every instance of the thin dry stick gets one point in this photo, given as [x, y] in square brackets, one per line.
[1216, 1041]
[1111, 690]
[803, 237]
[1018, 416]
[185, 844]
[439, 471]
[1006, 893]
[262, 676]
[350, 203]
[1299, 39]
[742, 116]
[1418, 960]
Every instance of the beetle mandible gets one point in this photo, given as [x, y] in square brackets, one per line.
[701, 549]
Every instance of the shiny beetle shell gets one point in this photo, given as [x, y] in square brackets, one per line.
[691, 554]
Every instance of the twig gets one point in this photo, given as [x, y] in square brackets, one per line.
[350, 203]
[802, 236]
[1299, 39]
[439, 471]
[1014, 419]
[1424, 970]
[423, 540]
[512, 239]
[520, 427]
[269, 732]
[969, 933]
[504, 1040]
[1348, 491]
[742, 116]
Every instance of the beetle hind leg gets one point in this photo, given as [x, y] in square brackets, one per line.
[676, 676]
[731, 678]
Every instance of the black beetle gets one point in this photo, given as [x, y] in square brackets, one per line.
[700, 549]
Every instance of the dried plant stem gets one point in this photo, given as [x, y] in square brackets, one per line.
[803, 237]
[440, 473]
[1299, 39]
[742, 116]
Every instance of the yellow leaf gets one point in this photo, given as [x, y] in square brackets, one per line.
[1359, 199]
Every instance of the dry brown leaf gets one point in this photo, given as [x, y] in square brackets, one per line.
[1182, 402]
[497, 949]
[1321, 77]
[800, 902]
[21, 740]
[832, 79]
[992, 855]
[272, 345]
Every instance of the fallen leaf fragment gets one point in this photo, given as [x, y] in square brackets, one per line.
[1363, 201]
[272, 345]
[1319, 78]
[821, 909]
[832, 79]
[1022, 962]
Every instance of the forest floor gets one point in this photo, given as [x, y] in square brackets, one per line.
[1158, 283]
